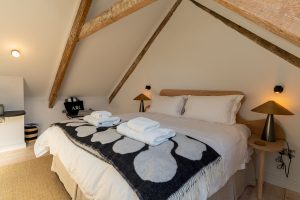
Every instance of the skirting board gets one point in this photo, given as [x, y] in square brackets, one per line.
[12, 147]
[282, 181]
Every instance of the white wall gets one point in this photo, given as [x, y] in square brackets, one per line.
[196, 51]
[37, 110]
[104, 55]
[12, 92]
[12, 97]
[39, 30]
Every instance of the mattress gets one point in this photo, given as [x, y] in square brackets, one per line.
[99, 180]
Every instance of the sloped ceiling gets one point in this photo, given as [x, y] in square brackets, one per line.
[100, 59]
[278, 16]
[40, 28]
[37, 28]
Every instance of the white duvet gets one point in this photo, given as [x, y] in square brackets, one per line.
[99, 180]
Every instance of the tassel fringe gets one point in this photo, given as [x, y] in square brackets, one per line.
[197, 187]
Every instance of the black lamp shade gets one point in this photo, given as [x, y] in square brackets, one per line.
[148, 87]
[278, 89]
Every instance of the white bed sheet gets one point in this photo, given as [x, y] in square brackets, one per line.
[99, 180]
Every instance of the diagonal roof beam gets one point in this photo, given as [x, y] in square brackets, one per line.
[255, 38]
[144, 50]
[117, 11]
[80, 30]
[69, 49]
[281, 17]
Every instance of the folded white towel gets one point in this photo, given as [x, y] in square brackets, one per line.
[142, 124]
[101, 114]
[153, 137]
[104, 122]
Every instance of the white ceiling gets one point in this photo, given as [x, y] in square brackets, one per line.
[39, 29]
[102, 58]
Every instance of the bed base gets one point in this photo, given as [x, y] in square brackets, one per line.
[231, 191]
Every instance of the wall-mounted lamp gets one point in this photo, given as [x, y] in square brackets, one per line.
[278, 89]
[15, 53]
[148, 87]
[147, 91]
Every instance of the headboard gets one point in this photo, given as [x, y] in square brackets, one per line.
[256, 126]
[174, 92]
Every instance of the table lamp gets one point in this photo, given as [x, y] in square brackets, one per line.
[141, 97]
[271, 108]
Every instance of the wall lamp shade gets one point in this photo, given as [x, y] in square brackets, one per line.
[148, 87]
[278, 89]
[271, 108]
[141, 97]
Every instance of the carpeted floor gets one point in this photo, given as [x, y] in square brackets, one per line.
[31, 180]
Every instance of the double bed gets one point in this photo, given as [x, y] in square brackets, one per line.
[87, 177]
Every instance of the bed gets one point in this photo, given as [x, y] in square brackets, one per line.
[87, 177]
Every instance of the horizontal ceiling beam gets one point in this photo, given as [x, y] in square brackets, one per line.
[69, 49]
[280, 17]
[116, 12]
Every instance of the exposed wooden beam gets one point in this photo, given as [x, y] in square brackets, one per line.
[69, 49]
[144, 50]
[120, 9]
[255, 38]
[278, 16]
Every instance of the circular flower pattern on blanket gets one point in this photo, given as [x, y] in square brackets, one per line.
[127, 145]
[189, 148]
[156, 164]
[83, 131]
[105, 137]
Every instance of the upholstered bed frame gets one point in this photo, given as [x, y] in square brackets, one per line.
[233, 188]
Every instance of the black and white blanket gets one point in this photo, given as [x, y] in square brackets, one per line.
[172, 170]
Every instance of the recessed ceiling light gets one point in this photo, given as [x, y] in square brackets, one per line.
[15, 53]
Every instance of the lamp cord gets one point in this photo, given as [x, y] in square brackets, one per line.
[281, 162]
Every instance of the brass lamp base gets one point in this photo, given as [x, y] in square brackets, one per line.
[269, 129]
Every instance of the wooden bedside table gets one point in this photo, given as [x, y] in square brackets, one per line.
[263, 146]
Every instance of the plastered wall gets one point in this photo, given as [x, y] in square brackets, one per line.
[196, 51]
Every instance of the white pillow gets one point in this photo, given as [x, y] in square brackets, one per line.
[220, 109]
[167, 105]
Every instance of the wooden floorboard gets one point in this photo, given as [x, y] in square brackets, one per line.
[271, 192]
[291, 195]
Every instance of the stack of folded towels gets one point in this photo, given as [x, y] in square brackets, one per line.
[101, 119]
[145, 130]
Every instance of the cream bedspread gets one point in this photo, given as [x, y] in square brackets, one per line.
[99, 180]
